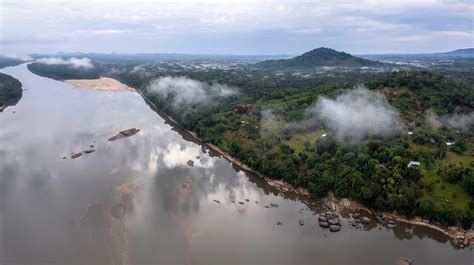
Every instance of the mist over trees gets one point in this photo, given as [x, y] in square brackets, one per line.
[294, 125]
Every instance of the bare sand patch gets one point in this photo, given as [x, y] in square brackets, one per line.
[101, 84]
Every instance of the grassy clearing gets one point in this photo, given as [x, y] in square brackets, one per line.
[455, 159]
[300, 140]
[442, 191]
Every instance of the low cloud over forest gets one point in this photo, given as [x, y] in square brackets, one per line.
[183, 90]
[356, 114]
[84, 63]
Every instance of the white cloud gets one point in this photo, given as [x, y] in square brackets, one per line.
[358, 113]
[183, 90]
[22, 57]
[177, 26]
[84, 63]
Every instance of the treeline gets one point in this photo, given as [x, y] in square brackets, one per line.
[445, 95]
[10, 90]
[5, 62]
[373, 172]
[62, 72]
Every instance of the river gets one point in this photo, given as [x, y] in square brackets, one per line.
[137, 201]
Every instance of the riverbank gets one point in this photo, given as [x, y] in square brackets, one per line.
[454, 233]
[11, 91]
[101, 84]
[461, 238]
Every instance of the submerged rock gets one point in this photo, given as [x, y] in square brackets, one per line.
[301, 222]
[404, 261]
[273, 205]
[190, 163]
[124, 134]
[118, 211]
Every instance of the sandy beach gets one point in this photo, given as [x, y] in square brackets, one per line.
[102, 84]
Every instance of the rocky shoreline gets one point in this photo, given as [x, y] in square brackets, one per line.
[461, 238]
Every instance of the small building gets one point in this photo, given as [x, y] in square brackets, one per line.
[414, 164]
[449, 143]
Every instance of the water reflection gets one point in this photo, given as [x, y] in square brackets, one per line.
[136, 201]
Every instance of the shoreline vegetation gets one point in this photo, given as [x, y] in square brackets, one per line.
[10, 91]
[377, 176]
[453, 232]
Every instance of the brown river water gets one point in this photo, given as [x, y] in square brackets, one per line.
[137, 201]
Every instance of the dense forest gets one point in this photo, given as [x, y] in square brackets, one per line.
[62, 72]
[266, 118]
[5, 62]
[10, 91]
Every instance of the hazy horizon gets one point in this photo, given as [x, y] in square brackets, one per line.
[235, 27]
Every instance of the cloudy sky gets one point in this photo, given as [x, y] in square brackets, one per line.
[235, 27]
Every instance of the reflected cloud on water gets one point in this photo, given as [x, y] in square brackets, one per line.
[55, 210]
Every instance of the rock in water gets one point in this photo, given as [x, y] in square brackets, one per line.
[76, 155]
[88, 151]
[301, 222]
[117, 211]
[404, 261]
[190, 163]
[324, 224]
[124, 134]
[365, 220]
[334, 228]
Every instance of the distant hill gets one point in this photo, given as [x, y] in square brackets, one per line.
[317, 58]
[468, 52]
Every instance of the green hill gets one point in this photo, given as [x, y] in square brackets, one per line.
[317, 58]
